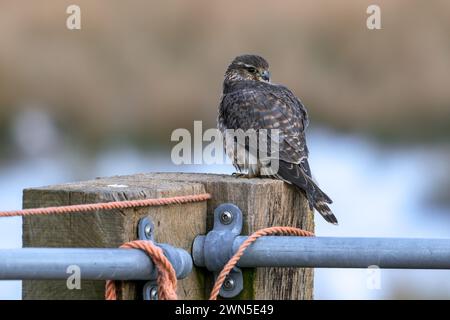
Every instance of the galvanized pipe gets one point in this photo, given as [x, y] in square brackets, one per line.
[94, 264]
[330, 252]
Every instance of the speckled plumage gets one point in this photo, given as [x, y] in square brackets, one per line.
[250, 101]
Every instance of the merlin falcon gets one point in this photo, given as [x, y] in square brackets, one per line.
[251, 102]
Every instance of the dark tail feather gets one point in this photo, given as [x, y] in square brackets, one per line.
[317, 198]
[320, 202]
[326, 212]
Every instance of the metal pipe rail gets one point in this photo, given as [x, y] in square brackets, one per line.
[94, 264]
[330, 252]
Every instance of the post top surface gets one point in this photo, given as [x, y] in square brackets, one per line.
[159, 180]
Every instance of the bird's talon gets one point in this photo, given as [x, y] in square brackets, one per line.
[239, 175]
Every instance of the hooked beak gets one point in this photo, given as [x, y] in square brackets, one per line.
[265, 75]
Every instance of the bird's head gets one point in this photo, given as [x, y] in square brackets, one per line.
[248, 67]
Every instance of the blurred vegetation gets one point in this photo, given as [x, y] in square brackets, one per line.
[139, 69]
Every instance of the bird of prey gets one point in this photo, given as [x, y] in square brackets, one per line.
[251, 101]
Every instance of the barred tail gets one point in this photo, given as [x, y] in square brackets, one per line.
[325, 211]
[319, 200]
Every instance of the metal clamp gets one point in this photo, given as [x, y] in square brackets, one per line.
[179, 261]
[146, 230]
[216, 248]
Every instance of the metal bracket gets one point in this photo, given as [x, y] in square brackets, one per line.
[216, 248]
[181, 260]
[146, 232]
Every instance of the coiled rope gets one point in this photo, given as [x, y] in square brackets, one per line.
[166, 280]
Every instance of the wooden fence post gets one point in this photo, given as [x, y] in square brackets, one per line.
[264, 202]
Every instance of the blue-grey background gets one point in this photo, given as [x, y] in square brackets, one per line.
[104, 100]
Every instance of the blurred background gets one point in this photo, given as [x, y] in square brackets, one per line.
[104, 100]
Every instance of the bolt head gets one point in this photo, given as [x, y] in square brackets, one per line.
[148, 230]
[226, 217]
[153, 293]
[228, 284]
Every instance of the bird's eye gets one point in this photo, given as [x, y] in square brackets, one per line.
[251, 70]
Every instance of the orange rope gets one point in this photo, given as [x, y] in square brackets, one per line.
[167, 279]
[289, 231]
[107, 205]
